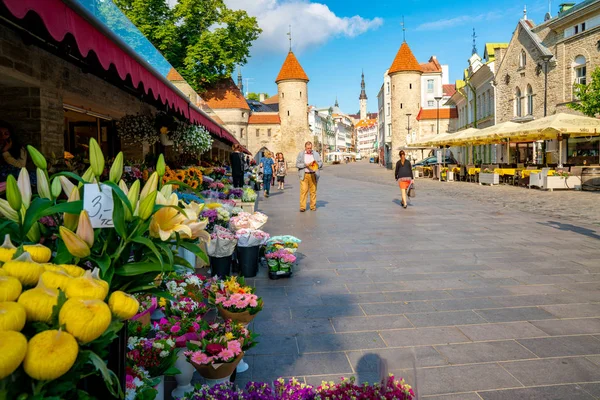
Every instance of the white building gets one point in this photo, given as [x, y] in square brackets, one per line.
[366, 136]
[384, 120]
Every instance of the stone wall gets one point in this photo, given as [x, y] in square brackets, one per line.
[406, 99]
[263, 140]
[293, 111]
[234, 120]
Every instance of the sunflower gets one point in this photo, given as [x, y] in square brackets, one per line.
[194, 185]
[180, 176]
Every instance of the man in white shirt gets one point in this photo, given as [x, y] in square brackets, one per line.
[309, 164]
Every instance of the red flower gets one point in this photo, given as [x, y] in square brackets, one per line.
[214, 348]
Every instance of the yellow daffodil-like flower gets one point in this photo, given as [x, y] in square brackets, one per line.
[50, 355]
[123, 305]
[12, 316]
[212, 206]
[13, 348]
[39, 252]
[162, 302]
[74, 243]
[10, 288]
[86, 319]
[24, 269]
[88, 286]
[56, 279]
[229, 336]
[166, 221]
[7, 250]
[38, 302]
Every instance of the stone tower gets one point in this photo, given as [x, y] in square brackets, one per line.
[363, 98]
[292, 88]
[405, 74]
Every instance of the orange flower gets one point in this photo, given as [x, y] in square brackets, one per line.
[145, 175]
[68, 155]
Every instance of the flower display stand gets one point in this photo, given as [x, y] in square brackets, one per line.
[160, 388]
[489, 179]
[450, 176]
[184, 379]
[247, 206]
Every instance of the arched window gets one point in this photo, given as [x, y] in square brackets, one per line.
[522, 59]
[580, 70]
[518, 103]
[529, 100]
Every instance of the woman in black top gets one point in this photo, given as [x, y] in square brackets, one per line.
[237, 166]
[404, 176]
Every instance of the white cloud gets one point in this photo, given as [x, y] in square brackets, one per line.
[441, 24]
[312, 23]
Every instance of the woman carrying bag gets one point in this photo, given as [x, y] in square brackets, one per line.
[404, 176]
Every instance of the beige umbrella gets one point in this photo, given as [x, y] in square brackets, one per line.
[492, 134]
[458, 136]
[551, 127]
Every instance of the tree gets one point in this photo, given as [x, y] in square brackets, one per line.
[588, 96]
[256, 96]
[202, 39]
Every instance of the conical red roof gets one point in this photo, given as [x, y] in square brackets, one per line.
[291, 69]
[404, 61]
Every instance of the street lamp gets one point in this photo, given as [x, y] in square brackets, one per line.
[407, 127]
[437, 99]
[546, 59]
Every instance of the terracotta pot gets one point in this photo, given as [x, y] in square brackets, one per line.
[222, 371]
[243, 317]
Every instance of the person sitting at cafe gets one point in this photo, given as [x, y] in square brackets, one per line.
[13, 153]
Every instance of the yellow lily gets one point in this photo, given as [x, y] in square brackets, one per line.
[66, 184]
[150, 186]
[167, 221]
[70, 220]
[75, 245]
[198, 226]
[84, 228]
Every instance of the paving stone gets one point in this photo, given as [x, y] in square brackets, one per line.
[303, 364]
[275, 344]
[371, 323]
[385, 360]
[460, 396]
[480, 292]
[396, 308]
[595, 359]
[553, 371]
[561, 346]
[592, 388]
[484, 352]
[557, 327]
[294, 326]
[416, 295]
[336, 299]
[339, 342]
[350, 310]
[507, 330]
[574, 310]
[376, 287]
[514, 314]
[463, 304]
[423, 337]
[535, 289]
[562, 392]
[446, 318]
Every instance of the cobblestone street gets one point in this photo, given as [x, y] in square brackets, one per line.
[470, 293]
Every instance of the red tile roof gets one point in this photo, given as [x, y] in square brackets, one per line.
[445, 113]
[272, 100]
[365, 123]
[225, 94]
[173, 75]
[431, 66]
[404, 61]
[291, 69]
[449, 90]
[260, 118]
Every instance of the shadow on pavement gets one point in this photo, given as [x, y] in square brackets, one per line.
[322, 203]
[572, 228]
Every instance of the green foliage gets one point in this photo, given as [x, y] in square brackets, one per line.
[256, 96]
[589, 96]
[203, 39]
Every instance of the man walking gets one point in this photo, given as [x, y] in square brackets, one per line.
[309, 164]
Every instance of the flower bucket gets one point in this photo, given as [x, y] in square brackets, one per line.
[220, 266]
[184, 379]
[243, 317]
[248, 260]
[160, 388]
[218, 371]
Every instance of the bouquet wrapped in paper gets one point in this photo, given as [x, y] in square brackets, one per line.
[283, 242]
[222, 243]
[246, 220]
[251, 237]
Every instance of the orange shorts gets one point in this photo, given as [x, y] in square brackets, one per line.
[403, 184]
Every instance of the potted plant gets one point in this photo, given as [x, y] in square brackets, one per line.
[488, 177]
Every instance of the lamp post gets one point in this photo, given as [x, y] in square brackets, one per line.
[407, 126]
[546, 59]
[437, 99]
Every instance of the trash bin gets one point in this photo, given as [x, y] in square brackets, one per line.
[220, 266]
[248, 260]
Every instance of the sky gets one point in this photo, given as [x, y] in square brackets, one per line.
[335, 40]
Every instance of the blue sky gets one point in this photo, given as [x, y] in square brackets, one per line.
[335, 39]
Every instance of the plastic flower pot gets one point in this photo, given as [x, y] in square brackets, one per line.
[248, 260]
[220, 266]
[243, 317]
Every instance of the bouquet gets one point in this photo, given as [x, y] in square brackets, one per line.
[235, 211]
[148, 304]
[236, 194]
[183, 329]
[217, 216]
[251, 237]
[234, 299]
[155, 355]
[188, 285]
[283, 242]
[246, 220]
[280, 262]
[186, 307]
[249, 195]
[222, 243]
[139, 385]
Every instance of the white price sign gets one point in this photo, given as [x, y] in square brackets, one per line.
[99, 205]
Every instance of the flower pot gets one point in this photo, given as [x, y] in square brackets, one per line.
[188, 256]
[243, 317]
[220, 266]
[218, 371]
[274, 275]
[248, 260]
[184, 379]
[215, 382]
[489, 178]
[160, 388]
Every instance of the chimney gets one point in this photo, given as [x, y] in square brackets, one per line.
[564, 7]
[262, 97]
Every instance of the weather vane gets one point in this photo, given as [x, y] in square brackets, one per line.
[403, 29]
[290, 37]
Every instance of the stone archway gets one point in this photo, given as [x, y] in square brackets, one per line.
[260, 154]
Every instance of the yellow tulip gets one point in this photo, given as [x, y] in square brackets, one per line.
[10, 288]
[75, 245]
[84, 228]
[24, 269]
[116, 170]
[88, 286]
[70, 220]
[86, 319]
[43, 186]
[12, 316]
[123, 305]
[96, 158]
[50, 355]
[66, 184]
[38, 302]
[39, 252]
[7, 250]
[13, 348]
[13, 195]
[150, 186]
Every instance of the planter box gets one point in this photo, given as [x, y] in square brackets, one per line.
[489, 179]
[558, 182]
[246, 206]
[450, 176]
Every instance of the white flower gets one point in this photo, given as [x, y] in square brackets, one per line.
[158, 345]
[138, 382]
[171, 342]
[132, 342]
[163, 354]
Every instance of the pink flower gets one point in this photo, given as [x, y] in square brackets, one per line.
[200, 358]
[226, 354]
[235, 347]
[175, 329]
[196, 326]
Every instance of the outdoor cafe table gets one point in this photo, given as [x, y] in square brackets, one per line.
[473, 171]
[507, 171]
[527, 172]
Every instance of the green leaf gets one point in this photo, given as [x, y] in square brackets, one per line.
[34, 212]
[119, 217]
[120, 194]
[194, 248]
[149, 244]
[68, 174]
[183, 262]
[110, 378]
[183, 185]
[103, 262]
[62, 254]
[172, 371]
[142, 267]
[62, 298]
[167, 250]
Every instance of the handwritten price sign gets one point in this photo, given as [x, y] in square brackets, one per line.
[98, 202]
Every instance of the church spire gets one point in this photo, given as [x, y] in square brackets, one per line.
[363, 93]
[336, 102]
[240, 82]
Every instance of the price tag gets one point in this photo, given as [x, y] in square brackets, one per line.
[99, 205]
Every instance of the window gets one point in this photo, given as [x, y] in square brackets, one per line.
[482, 107]
[242, 132]
[410, 85]
[582, 26]
[576, 29]
[518, 103]
[257, 132]
[300, 94]
[282, 95]
[288, 113]
[400, 105]
[522, 59]
[388, 88]
[389, 108]
[269, 132]
[529, 100]
[429, 85]
[243, 114]
[389, 129]
[429, 103]
[580, 70]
